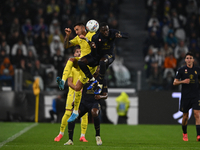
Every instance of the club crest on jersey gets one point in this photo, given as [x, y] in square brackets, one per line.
[195, 72]
[185, 71]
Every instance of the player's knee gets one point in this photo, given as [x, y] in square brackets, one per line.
[185, 116]
[95, 112]
[72, 59]
[197, 116]
[103, 62]
[81, 63]
[68, 112]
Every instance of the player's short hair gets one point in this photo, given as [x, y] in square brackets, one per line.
[79, 24]
[189, 53]
[75, 48]
[102, 24]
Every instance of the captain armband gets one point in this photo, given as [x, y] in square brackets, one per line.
[87, 40]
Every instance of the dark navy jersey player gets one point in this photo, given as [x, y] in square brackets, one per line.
[90, 104]
[188, 77]
[102, 53]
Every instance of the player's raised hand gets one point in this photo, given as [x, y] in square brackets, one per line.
[186, 81]
[118, 35]
[68, 31]
[82, 37]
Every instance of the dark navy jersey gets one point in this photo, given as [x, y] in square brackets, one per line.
[88, 95]
[189, 90]
[105, 45]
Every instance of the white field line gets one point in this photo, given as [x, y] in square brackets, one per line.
[17, 134]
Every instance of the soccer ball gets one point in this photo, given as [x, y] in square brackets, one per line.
[92, 25]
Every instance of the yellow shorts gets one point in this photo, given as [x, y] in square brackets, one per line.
[82, 76]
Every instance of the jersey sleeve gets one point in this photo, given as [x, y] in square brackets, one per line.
[90, 35]
[74, 41]
[70, 75]
[178, 74]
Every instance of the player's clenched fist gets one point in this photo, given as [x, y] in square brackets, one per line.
[68, 31]
[186, 81]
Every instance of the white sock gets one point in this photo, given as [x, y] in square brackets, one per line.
[63, 81]
[61, 133]
[75, 111]
[93, 79]
[82, 134]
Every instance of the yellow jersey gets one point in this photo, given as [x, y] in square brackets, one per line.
[85, 47]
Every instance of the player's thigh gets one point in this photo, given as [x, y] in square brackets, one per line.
[196, 103]
[91, 61]
[185, 105]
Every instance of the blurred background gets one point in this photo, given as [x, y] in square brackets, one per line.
[31, 46]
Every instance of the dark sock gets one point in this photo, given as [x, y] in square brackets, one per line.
[85, 69]
[198, 129]
[102, 71]
[71, 126]
[97, 125]
[184, 128]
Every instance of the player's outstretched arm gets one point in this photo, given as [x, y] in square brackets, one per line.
[92, 44]
[122, 35]
[67, 44]
[102, 96]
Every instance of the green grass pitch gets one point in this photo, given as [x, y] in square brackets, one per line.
[114, 137]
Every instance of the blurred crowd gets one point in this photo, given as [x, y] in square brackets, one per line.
[32, 35]
[173, 28]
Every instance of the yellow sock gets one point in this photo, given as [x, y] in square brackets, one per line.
[84, 123]
[67, 70]
[77, 100]
[64, 120]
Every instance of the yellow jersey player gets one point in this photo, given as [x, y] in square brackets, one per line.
[84, 44]
[72, 79]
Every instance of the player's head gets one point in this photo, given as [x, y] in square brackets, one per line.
[79, 28]
[77, 51]
[189, 58]
[104, 29]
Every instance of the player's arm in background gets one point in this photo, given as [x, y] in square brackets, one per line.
[70, 83]
[119, 34]
[67, 44]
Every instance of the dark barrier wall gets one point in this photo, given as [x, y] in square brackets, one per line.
[20, 106]
[160, 108]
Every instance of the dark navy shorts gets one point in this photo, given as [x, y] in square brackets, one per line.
[87, 106]
[187, 103]
[92, 61]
